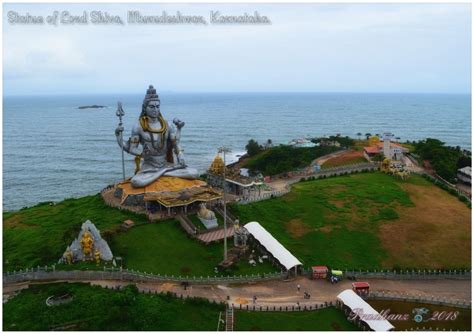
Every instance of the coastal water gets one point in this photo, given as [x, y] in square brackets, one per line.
[52, 150]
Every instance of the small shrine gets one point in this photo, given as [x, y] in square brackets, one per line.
[235, 182]
[207, 217]
[88, 246]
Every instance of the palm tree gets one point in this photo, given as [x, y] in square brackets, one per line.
[359, 134]
[367, 135]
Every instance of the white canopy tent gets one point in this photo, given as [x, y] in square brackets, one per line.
[272, 245]
[366, 313]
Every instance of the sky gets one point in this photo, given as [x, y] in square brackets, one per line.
[416, 48]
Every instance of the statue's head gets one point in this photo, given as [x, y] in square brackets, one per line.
[151, 103]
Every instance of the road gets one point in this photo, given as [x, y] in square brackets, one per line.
[284, 293]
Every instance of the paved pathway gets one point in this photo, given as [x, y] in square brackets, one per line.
[215, 235]
[284, 293]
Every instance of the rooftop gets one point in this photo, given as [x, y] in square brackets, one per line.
[272, 245]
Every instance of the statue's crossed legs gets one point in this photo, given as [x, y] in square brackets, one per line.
[147, 176]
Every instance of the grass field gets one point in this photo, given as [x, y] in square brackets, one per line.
[368, 220]
[461, 321]
[39, 235]
[165, 248]
[330, 319]
[98, 309]
[346, 158]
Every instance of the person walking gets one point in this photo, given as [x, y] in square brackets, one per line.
[298, 287]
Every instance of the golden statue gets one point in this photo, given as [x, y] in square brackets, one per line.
[87, 244]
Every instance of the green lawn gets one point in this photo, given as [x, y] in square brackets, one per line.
[165, 248]
[336, 221]
[345, 222]
[39, 235]
[329, 319]
[99, 309]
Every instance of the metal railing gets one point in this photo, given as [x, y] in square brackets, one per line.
[50, 274]
[409, 274]
[381, 295]
[294, 307]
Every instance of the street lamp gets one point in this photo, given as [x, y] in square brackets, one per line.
[224, 150]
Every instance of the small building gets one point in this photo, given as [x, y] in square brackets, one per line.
[127, 224]
[361, 288]
[319, 272]
[235, 182]
[389, 149]
[464, 174]
[359, 311]
[273, 246]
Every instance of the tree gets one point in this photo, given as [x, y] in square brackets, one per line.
[269, 143]
[359, 134]
[445, 160]
[367, 135]
[253, 148]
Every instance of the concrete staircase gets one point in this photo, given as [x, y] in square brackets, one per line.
[229, 319]
[186, 224]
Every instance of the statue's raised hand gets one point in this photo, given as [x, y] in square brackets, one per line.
[179, 124]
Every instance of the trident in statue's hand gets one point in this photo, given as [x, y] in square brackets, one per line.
[118, 132]
[120, 113]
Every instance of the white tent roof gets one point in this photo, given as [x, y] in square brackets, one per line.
[465, 170]
[272, 245]
[368, 315]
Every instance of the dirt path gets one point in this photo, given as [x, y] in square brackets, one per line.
[321, 160]
[281, 293]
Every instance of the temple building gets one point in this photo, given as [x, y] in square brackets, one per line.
[169, 194]
[389, 149]
[236, 183]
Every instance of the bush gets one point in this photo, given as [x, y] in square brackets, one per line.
[445, 160]
[283, 159]
[253, 148]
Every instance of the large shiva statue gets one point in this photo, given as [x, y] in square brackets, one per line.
[159, 141]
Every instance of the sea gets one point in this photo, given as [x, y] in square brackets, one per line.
[52, 150]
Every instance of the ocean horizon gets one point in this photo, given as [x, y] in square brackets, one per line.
[52, 150]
